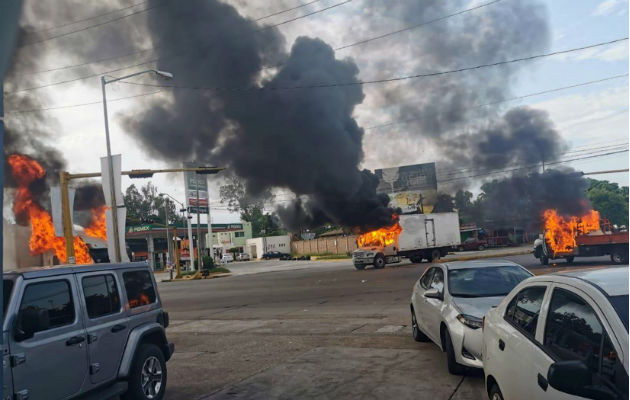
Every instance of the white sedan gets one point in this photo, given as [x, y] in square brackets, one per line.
[449, 301]
[560, 336]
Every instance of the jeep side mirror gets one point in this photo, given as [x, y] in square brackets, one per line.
[433, 294]
[574, 377]
[30, 321]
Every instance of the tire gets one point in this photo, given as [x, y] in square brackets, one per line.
[415, 259]
[569, 259]
[619, 256]
[544, 260]
[495, 393]
[360, 267]
[418, 336]
[481, 248]
[460, 248]
[379, 261]
[434, 256]
[148, 362]
[453, 367]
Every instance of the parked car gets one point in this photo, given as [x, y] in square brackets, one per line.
[473, 244]
[74, 331]
[560, 336]
[227, 258]
[243, 257]
[276, 254]
[449, 301]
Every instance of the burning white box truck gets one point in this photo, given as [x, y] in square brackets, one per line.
[415, 236]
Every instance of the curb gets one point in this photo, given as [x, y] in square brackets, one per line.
[211, 276]
[488, 255]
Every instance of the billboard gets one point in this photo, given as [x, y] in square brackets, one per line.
[412, 188]
[196, 183]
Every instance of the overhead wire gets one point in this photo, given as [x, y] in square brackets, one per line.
[383, 80]
[19, 90]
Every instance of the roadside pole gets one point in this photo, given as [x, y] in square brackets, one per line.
[168, 241]
[199, 259]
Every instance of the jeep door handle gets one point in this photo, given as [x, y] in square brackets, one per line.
[118, 328]
[542, 382]
[501, 345]
[75, 340]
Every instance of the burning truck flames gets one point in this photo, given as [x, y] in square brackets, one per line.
[585, 235]
[381, 237]
[26, 171]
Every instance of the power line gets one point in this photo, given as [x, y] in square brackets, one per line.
[592, 151]
[416, 26]
[89, 27]
[87, 19]
[287, 10]
[134, 52]
[507, 100]
[385, 80]
[172, 55]
[532, 166]
[370, 127]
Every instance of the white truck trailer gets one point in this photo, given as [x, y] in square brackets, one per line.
[423, 236]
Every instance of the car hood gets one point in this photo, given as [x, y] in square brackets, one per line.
[476, 306]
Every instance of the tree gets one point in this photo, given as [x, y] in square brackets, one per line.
[443, 203]
[251, 207]
[610, 200]
[146, 206]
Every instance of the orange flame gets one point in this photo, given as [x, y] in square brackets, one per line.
[97, 227]
[141, 301]
[381, 237]
[25, 171]
[560, 232]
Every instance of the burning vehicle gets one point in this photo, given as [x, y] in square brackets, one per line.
[588, 235]
[415, 236]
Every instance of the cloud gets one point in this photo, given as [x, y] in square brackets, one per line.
[606, 7]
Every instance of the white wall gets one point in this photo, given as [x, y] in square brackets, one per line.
[265, 244]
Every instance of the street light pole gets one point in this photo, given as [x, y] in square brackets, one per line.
[112, 186]
[199, 260]
[110, 164]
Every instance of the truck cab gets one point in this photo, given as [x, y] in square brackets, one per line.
[374, 255]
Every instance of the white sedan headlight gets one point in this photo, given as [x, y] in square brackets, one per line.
[470, 321]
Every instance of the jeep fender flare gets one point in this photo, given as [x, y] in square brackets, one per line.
[136, 338]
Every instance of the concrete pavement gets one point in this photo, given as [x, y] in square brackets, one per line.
[316, 330]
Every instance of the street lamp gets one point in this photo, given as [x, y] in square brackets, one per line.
[110, 165]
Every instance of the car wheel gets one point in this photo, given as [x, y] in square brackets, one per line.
[359, 266]
[418, 336]
[379, 261]
[544, 260]
[569, 259]
[147, 379]
[415, 259]
[453, 367]
[480, 248]
[495, 393]
[460, 248]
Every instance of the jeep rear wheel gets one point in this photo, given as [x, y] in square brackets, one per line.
[147, 378]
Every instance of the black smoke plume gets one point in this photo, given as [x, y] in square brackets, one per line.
[303, 140]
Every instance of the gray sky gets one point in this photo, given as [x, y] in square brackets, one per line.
[586, 117]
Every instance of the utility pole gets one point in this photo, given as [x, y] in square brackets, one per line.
[168, 241]
[66, 214]
[199, 259]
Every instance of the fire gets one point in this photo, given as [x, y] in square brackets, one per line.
[26, 171]
[560, 232]
[142, 300]
[97, 227]
[380, 237]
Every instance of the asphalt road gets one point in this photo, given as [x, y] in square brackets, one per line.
[312, 330]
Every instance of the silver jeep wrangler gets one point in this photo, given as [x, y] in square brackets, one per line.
[89, 332]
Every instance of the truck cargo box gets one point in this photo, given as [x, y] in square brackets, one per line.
[422, 231]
